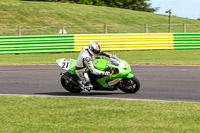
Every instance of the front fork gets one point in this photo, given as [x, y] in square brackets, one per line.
[130, 75]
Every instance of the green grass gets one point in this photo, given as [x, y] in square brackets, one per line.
[170, 57]
[42, 114]
[29, 13]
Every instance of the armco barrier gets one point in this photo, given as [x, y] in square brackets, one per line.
[186, 41]
[36, 44]
[66, 43]
[126, 41]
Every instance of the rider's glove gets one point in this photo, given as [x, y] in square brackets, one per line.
[106, 73]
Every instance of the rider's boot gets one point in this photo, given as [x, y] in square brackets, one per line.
[81, 84]
[88, 86]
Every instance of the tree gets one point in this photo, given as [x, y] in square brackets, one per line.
[140, 5]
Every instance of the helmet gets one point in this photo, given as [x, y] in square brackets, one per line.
[94, 48]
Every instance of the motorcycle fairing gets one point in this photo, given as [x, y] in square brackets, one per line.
[67, 64]
[111, 80]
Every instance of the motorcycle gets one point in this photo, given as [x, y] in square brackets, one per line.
[120, 77]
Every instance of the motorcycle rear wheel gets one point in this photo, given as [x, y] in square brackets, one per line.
[129, 85]
[69, 87]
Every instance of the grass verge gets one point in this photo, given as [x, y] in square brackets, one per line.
[170, 57]
[48, 114]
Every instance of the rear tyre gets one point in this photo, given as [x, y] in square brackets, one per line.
[129, 85]
[69, 87]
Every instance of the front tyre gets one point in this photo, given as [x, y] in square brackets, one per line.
[129, 85]
[68, 86]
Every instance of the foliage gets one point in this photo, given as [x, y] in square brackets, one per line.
[140, 5]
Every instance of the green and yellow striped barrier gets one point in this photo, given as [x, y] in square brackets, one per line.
[109, 42]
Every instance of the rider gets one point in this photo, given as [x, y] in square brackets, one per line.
[84, 63]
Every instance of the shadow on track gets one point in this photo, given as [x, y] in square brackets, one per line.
[92, 93]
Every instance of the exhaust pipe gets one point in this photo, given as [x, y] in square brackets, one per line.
[70, 80]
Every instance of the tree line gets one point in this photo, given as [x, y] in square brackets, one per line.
[139, 5]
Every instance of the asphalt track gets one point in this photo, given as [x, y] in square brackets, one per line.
[173, 83]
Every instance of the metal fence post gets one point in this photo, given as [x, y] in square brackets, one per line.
[184, 28]
[19, 30]
[105, 29]
[170, 21]
[146, 28]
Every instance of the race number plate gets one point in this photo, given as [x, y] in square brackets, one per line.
[64, 63]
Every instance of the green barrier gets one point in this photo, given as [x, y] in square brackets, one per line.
[36, 44]
[187, 41]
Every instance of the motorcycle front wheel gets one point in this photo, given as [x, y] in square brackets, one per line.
[129, 85]
[69, 86]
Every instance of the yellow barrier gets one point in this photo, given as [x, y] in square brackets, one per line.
[110, 42]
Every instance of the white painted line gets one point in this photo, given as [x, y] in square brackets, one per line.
[128, 99]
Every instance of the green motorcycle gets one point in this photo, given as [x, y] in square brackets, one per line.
[120, 77]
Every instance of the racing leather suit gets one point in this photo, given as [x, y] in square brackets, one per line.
[84, 64]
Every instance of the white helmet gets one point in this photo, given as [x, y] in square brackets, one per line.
[94, 48]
